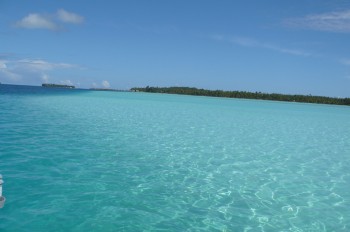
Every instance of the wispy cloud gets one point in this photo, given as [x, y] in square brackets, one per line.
[244, 41]
[36, 21]
[296, 52]
[68, 17]
[337, 21]
[41, 65]
[49, 21]
[250, 42]
[345, 61]
[35, 69]
[3, 64]
[6, 74]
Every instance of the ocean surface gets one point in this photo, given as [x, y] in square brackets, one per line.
[79, 160]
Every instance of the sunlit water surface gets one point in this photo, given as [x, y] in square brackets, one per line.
[76, 160]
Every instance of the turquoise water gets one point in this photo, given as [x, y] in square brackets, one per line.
[75, 160]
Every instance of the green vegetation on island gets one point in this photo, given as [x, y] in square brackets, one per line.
[244, 94]
[58, 86]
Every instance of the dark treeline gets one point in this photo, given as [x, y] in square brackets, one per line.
[244, 94]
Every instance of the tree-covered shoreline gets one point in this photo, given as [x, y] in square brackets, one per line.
[246, 95]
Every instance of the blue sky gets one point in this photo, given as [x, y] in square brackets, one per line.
[292, 47]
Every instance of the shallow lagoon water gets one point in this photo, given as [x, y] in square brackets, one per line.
[77, 160]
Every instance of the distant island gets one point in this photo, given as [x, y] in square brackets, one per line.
[58, 86]
[109, 89]
[244, 94]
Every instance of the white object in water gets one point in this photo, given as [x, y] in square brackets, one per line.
[2, 199]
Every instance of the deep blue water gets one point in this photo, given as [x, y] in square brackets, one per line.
[79, 160]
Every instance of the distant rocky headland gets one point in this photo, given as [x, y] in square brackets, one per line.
[58, 86]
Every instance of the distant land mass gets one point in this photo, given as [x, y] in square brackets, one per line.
[246, 95]
[109, 89]
[58, 86]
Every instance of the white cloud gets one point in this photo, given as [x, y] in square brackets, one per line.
[36, 21]
[68, 17]
[338, 21]
[45, 78]
[3, 64]
[49, 21]
[34, 70]
[66, 82]
[105, 84]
